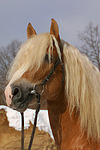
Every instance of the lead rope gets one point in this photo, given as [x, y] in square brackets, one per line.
[34, 126]
[35, 121]
[22, 136]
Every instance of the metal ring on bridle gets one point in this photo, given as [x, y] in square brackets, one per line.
[39, 83]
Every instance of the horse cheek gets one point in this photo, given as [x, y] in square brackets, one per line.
[54, 88]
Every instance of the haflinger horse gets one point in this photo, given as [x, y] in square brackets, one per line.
[72, 93]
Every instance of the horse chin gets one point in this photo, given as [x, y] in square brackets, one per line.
[19, 109]
[32, 104]
[24, 104]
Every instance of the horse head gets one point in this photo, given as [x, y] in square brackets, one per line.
[33, 63]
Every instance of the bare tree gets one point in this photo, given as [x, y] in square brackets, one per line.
[90, 39]
[7, 55]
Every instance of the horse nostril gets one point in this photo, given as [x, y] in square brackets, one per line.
[16, 92]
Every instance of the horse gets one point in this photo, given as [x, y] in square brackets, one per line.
[72, 90]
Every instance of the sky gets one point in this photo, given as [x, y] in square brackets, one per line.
[72, 17]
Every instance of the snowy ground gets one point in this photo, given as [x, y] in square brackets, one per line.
[14, 119]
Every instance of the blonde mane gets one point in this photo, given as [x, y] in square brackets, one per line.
[82, 79]
[83, 89]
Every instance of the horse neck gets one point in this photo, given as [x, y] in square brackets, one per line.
[60, 121]
[65, 127]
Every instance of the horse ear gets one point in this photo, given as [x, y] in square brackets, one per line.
[54, 29]
[30, 31]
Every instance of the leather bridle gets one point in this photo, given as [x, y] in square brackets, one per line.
[38, 96]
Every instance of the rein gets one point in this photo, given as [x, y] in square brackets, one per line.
[38, 96]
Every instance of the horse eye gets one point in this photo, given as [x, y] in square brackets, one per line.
[47, 58]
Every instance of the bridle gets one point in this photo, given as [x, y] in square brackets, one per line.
[38, 96]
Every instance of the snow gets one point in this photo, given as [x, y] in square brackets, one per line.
[14, 119]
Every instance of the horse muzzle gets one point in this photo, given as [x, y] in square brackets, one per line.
[22, 94]
[18, 95]
[21, 97]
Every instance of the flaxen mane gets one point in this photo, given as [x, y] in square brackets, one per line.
[82, 79]
[83, 89]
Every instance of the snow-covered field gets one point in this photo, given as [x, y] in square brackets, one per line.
[14, 119]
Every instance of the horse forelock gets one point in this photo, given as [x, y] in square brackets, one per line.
[82, 88]
[31, 53]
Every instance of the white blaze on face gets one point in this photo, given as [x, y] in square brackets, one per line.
[8, 90]
[8, 94]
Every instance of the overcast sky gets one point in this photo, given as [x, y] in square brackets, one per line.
[71, 15]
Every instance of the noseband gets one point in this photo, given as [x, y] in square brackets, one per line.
[38, 96]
